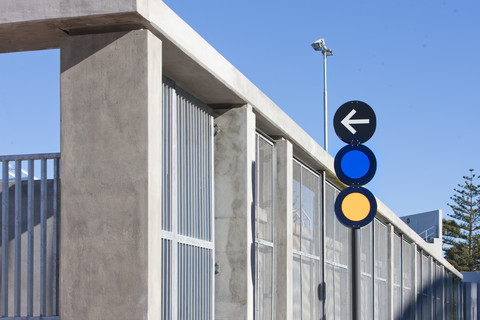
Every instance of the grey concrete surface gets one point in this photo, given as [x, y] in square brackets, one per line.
[284, 298]
[234, 209]
[111, 174]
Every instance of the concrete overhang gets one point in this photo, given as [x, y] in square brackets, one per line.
[187, 59]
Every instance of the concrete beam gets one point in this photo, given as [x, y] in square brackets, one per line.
[111, 144]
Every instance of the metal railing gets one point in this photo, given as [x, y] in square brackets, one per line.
[429, 234]
[29, 236]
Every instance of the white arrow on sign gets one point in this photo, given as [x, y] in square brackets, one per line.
[348, 121]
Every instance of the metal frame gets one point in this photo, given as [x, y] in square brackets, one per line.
[190, 182]
[258, 241]
[333, 263]
[301, 254]
[18, 223]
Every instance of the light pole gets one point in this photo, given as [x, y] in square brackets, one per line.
[319, 45]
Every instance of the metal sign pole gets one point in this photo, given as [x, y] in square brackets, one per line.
[325, 114]
[356, 276]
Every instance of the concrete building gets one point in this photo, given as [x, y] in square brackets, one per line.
[186, 193]
[429, 227]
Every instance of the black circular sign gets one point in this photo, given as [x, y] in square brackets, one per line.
[355, 165]
[355, 122]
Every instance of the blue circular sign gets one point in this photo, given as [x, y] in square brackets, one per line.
[355, 165]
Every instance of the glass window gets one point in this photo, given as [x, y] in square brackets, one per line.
[397, 277]
[366, 256]
[426, 288]
[381, 271]
[187, 208]
[264, 228]
[337, 238]
[418, 303]
[408, 272]
[307, 242]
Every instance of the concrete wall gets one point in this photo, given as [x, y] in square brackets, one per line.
[430, 221]
[111, 176]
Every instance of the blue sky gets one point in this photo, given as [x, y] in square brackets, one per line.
[414, 62]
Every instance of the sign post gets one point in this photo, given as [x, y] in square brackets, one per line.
[355, 165]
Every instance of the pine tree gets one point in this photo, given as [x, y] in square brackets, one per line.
[461, 235]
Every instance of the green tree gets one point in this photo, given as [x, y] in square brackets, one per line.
[461, 234]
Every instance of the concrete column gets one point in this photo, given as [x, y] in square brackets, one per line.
[234, 213]
[283, 227]
[111, 142]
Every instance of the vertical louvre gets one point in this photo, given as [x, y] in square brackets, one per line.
[296, 212]
[397, 277]
[381, 271]
[310, 280]
[5, 236]
[29, 240]
[187, 210]
[448, 296]
[166, 279]
[264, 228]
[264, 213]
[43, 240]
[407, 283]
[297, 287]
[193, 288]
[193, 158]
[307, 241]
[264, 282]
[426, 288]
[30, 226]
[167, 159]
[18, 234]
[337, 246]
[366, 257]
[438, 291]
[419, 285]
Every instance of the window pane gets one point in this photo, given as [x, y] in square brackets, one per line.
[342, 293]
[166, 279]
[330, 218]
[297, 288]
[408, 271]
[367, 270]
[381, 271]
[310, 212]
[310, 302]
[342, 242]
[264, 193]
[419, 285]
[263, 282]
[297, 221]
[329, 292]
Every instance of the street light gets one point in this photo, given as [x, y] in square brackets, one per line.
[319, 45]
